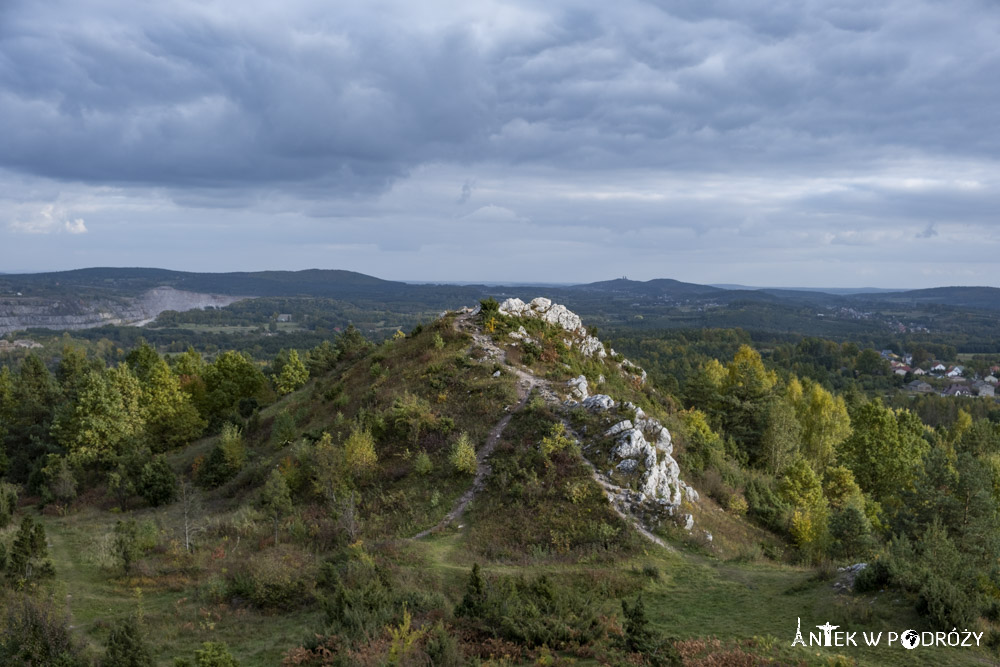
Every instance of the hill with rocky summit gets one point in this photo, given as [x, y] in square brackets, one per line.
[494, 487]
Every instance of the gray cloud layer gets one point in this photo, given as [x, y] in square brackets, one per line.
[833, 123]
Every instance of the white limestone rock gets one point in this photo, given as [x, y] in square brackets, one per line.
[601, 402]
[631, 444]
[591, 346]
[625, 425]
[520, 334]
[559, 315]
[628, 466]
[578, 388]
[513, 306]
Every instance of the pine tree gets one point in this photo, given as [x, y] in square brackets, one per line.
[28, 552]
[463, 456]
[638, 636]
[126, 646]
[473, 602]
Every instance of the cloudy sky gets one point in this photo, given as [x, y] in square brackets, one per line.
[777, 142]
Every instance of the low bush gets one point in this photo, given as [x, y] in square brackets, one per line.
[279, 578]
[35, 633]
[534, 612]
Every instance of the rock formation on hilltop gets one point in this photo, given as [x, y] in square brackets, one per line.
[632, 454]
[553, 313]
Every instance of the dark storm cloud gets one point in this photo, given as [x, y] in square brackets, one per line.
[191, 97]
[352, 98]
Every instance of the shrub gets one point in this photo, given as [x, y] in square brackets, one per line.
[534, 612]
[284, 430]
[422, 464]
[463, 456]
[158, 483]
[231, 444]
[126, 647]
[8, 503]
[737, 504]
[948, 603]
[851, 532]
[442, 647]
[873, 578]
[36, 634]
[359, 451]
[765, 505]
[28, 553]
[555, 441]
[638, 637]
[293, 374]
[280, 578]
[215, 654]
[60, 482]
[275, 499]
[412, 416]
[126, 544]
[226, 458]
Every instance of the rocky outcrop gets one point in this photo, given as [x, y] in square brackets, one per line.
[561, 316]
[21, 312]
[578, 388]
[641, 456]
[636, 467]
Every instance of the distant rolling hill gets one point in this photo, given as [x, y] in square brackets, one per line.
[963, 297]
[658, 303]
[656, 287]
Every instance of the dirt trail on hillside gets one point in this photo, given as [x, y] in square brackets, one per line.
[527, 382]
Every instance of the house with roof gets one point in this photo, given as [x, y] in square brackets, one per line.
[984, 389]
[957, 390]
[992, 379]
[955, 371]
[919, 387]
[919, 371]
[938, 368]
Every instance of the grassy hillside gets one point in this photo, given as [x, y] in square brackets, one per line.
[524, 560]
